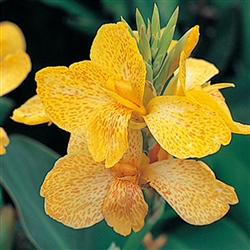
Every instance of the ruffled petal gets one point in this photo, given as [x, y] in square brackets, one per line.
[107, 135]
[31, 112]
[71, 95]
[216, 105]
[185, 129]
[74, 190]
[124, 207]
[133, 154]
[4, 141]
[13, 70]
[11, 39]
[198, 72]
[114, 48]
[192, 189]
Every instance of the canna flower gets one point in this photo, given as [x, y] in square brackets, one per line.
[14, 65]
[80, 192]
[192, 80]
[102, 97]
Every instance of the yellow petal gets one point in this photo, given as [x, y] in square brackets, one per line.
[192, 40]
[107, 133]
[71, 95]
[4, 141]
[191, 188]
[13, 70]
[133, 154]
[114, 48]
[75, 101]
[198, 72]
[77, 144]
[124, 207]
[204, 99]
[74, 190]
[11, 39]
[31, 112]
[185, 129]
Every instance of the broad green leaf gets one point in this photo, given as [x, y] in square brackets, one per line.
[224, 234]
[6, 105]
[23, 169]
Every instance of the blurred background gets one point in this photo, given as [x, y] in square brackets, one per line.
[60, 32]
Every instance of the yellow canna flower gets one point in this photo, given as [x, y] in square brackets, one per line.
[14, 62]
[80, 192]
[4, 141]
[102, 97]
[192, 80]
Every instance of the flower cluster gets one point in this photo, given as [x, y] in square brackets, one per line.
[136, 83]
[14, 65]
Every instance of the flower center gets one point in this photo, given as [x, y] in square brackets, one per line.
[123, 92]
[126, 171]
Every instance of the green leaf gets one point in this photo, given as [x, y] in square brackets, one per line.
[163, 48]
[23, 169]
[170, 63]
[224, 234]
[6, 105]
[144, 46]
[155, 31]
[165, 41]
[139, 21]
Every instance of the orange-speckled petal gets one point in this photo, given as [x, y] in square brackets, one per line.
[31, 112]
[11, 39]
[198, 72]
[133, 154]
[74, 190]
[203, 98]
[114, 48]
[71, 95]
[77, 144]
[185, 129]
[124, 207]
[4, 141]
[13, 70]
[191, 188]
[107, 133]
